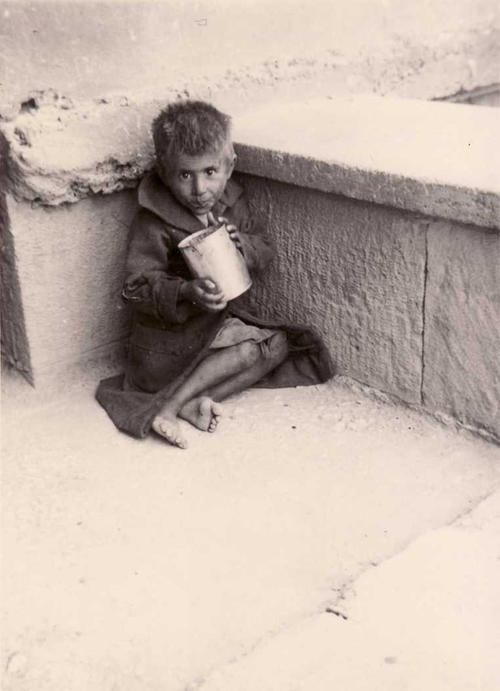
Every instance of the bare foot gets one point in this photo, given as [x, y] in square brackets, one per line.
[168, 428]
[203, 413]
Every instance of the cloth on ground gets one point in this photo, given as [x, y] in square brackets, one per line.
[234, 331]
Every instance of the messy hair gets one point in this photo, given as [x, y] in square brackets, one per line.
[193, 128]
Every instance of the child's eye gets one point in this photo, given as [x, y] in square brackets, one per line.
[211, 171]
[185, 175]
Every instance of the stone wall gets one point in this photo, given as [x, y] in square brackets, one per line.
[409, 302]
[15, 346]
[385, 213]
[354, 270]
[461, 362]
[69, 263]
[408, 305]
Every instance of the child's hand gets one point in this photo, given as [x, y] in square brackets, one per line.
[204, 293]
[233, 234]
[232, 230]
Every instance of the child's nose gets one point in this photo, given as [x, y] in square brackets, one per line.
[199, 185]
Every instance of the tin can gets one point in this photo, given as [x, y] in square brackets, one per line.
[210, 253]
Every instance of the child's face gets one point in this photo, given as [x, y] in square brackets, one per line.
[198, 182]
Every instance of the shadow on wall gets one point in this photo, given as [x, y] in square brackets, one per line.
[15, 348]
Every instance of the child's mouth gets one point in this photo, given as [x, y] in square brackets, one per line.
[201, 206]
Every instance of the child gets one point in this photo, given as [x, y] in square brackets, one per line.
[189, 349]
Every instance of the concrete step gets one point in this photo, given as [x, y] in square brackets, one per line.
[131, 564]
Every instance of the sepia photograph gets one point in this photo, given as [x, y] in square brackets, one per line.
[250, 337]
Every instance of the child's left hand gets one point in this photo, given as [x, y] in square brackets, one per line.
[231, 229]
[233, 234]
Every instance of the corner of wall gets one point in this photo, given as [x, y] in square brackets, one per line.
[14, 341]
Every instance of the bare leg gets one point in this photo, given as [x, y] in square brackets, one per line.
[204, 412]
[217, 367]
[274, 351]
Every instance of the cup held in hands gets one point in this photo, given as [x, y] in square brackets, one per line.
[210, 253]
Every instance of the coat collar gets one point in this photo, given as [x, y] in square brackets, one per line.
[156, 197]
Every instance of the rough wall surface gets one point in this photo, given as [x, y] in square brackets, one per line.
[355, 271]
[462, 324]
[58, 154]
[70, 262]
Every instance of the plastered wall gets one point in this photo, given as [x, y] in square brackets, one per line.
[69, 262]
[89, 50]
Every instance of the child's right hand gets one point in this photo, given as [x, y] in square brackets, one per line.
[204, 293]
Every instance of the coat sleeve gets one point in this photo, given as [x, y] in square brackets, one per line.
[149, 287]
[258, 249]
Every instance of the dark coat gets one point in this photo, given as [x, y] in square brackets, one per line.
[171, 336]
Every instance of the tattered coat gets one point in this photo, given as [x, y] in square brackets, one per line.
[170, 336]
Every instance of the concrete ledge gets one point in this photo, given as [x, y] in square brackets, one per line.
[434, 158]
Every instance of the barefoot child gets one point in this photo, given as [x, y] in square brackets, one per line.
[190, 349]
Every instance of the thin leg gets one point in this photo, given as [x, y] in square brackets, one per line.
[217, 367]
[275, 351]
[204, 412]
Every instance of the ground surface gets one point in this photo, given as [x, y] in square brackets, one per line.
[320, 539]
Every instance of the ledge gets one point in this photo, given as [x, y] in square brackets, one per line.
[60, 153]
[439, 159]
[434, 158]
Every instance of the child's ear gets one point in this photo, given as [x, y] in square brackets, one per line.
[160, 170]
[230, 165]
